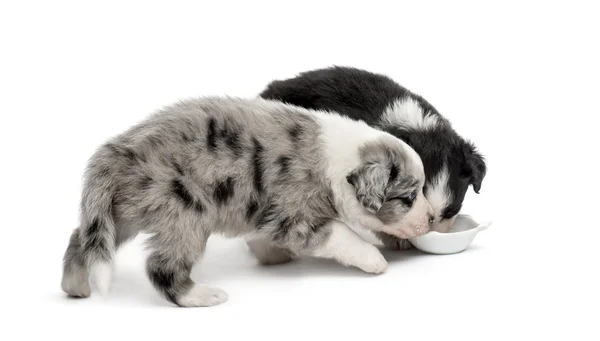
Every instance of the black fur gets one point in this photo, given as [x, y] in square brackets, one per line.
[393, 172]
[295, 132]
[185, 196]
[267, 216]
[170, 279]
[177, 167]
[94, 241]
[362, 95]
[283, 228]
[284, 164]
[145, 183]
[125, 152]
[228, 135]
[317, 224]
[251, 209]
[211, 137]
[231, 137]
[198, 206]
[224, 191]
[257, 165]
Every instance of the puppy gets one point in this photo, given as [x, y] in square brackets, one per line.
[290, 181]
[451, 163]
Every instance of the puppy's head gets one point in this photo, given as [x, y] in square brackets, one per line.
[389, 184]
[452, 166]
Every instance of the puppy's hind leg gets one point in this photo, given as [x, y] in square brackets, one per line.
[269, 254]
[346, 247]
[169, 267]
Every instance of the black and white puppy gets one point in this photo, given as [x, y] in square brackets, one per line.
[451, 162]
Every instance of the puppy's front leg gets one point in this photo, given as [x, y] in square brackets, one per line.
[346, 247]
[393, 243]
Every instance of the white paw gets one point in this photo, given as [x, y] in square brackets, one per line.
[370, 260]
[203, 296]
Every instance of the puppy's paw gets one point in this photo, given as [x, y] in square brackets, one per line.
[370, 260]
[76, 284]
[394, 243]
[202, 296]
[275, 257]
[397, 244]
[268, 254]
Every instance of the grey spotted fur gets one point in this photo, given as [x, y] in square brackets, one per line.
[213, 165]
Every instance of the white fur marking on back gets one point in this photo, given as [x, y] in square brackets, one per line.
[407, 112]
[438, 193]
[101, 276]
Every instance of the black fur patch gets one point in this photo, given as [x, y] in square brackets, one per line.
[94, 227]
[267, 216]
[257, 165]
[393, 173]
[162, 278]
[251, 209]
[317, 224]
[182, 193]
[295, 132]
[177, 167]
[232, 140]
[284, 164]
[170, 278]
[211, 136]
[94, 241]
[145, 183]
[451, 211]
[224, 190]
[124, 152]
[198, 206]
[283, 228]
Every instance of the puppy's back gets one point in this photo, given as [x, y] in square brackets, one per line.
[227, 159]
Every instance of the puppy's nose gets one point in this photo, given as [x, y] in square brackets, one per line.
[431, 219]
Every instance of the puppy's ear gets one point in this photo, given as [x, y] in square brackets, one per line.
[474, 167]
[369, 181]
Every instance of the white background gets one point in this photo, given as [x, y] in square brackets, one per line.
[520, 79]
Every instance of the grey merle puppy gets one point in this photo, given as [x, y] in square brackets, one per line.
[291, 181]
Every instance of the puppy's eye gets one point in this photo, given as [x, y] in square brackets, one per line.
[407, 199]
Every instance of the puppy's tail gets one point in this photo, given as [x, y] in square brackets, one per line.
[92, 246]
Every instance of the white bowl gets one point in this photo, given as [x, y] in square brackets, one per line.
[459, 238]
